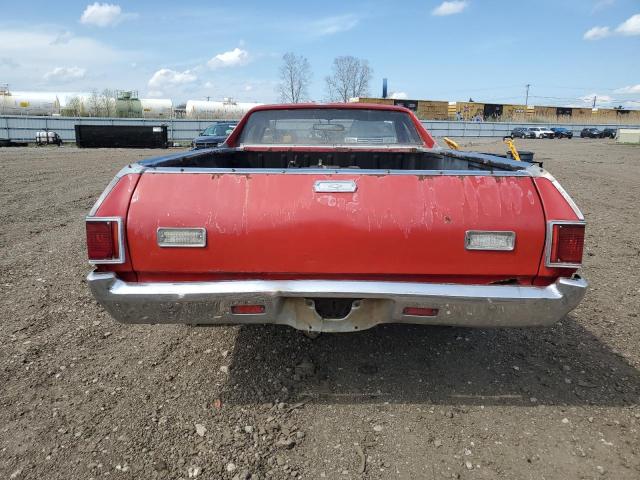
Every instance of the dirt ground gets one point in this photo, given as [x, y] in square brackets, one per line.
[82, 396]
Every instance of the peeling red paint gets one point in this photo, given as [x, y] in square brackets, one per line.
[392, 224]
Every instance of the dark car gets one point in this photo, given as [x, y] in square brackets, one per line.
[561, 132]
[610, 132]
[213, 135]
[591, 133]
[522, 133]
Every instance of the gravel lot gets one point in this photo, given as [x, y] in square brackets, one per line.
[84, 397]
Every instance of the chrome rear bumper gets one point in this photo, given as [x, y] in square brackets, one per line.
[290, 302]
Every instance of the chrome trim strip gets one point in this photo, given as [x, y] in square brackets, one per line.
[566, 196]
[539, 172]
[343, 171]
[288, 302]
[114, 181]
[399, 147]
[181, 245]
[129, 169]
[549, 240]
[335, 186]
[121, 255]
[467, 240]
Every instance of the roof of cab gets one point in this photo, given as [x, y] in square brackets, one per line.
[340, 106]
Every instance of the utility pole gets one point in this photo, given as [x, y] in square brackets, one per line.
[594, 101]
[207, 97]
[526, 98]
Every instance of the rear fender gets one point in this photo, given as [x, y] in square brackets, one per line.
[557, 206]
[114, 202]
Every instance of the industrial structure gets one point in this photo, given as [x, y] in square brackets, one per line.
[227, 109]
[120, 104]
[476, 111]
[123, 104]
[127, 104]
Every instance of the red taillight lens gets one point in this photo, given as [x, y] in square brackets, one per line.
[247, 309]
[100, 240]
[567, 244]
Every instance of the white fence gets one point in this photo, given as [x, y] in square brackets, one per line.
[24, 128]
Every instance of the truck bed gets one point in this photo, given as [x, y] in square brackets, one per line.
[282, 157]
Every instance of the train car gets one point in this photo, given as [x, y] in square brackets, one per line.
[156, 107]
[469, 110]
[28, 103]
[432, 110]
[227, 109]
[514, 112]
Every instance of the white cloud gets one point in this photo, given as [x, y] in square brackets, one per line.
[104, 15]
[65, 74]
[333, 25]
[602, 4]
[399, 95]
[631, 26]
[232, 58]
[629, 89]
[167, 78]
[450, 8]
[8, 62]
[62, 38]
[39, 45]
[596, 33]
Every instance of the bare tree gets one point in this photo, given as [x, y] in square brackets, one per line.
[93, 104]
[350, 78]
[295, 76]
[108, 102]
[74, 107]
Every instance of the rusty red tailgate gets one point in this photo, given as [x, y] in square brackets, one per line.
[275, 223]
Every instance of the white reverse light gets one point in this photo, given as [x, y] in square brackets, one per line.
[483, 240]
[182, 237]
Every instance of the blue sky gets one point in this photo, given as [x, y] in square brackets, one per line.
[485, 49]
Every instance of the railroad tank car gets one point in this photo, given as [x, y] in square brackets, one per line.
[29, 103]
[225, 109]
[156, 107]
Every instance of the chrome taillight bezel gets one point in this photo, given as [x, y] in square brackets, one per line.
[549, 242]
[119, 238]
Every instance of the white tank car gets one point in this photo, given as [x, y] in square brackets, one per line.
[227, 109]
[29, 103]
[156, 107]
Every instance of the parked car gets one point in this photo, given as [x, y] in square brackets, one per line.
[542, 132]
[335, 218]
[561, 132]
[520, 132]
[591, 133]
[609, 133]
[213, 135]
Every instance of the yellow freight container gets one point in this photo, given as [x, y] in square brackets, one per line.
[514, 112]
[432, 110]
[470, 110]
[380, 101]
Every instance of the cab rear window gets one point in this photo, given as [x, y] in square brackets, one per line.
[329, 127]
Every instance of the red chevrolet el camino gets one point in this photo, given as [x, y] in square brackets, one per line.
[335, 218]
